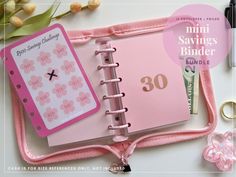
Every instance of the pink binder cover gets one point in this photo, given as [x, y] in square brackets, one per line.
[50, 80]
[141, 59]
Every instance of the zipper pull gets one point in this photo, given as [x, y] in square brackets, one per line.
[120, 167]
[126, 168]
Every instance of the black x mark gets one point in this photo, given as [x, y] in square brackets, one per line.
[52, 74]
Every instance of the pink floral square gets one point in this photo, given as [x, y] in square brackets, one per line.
[35, 82]
[60, 90]
[76, 82]
[50, 114]
[43, 98]
[221, 150]
[60, 50]
[83, 98]
[27, 65]
[44, 58]
[67, 106]
[68, 67]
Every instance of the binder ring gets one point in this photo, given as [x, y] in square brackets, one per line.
[116, 111]
[108, 50]
[112, 65]
[105, 97]
[110, 81]
[109, 63]
[112, 127]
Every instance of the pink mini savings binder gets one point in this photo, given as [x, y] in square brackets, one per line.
[122, 150]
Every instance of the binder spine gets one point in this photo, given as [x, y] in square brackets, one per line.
[106, 51]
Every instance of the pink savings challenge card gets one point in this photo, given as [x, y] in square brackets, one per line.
[50, 80]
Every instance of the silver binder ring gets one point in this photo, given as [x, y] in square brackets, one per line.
[113, 127]
[108, 50]
[110, 81]
[112, 65]
[116, 111]
[105, 97]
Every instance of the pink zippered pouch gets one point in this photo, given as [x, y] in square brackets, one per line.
[124, 149]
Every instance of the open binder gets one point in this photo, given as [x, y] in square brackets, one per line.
[135, 82]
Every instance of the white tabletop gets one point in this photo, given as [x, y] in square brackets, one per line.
[182, 159]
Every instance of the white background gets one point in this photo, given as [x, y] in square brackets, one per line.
[182, 159]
